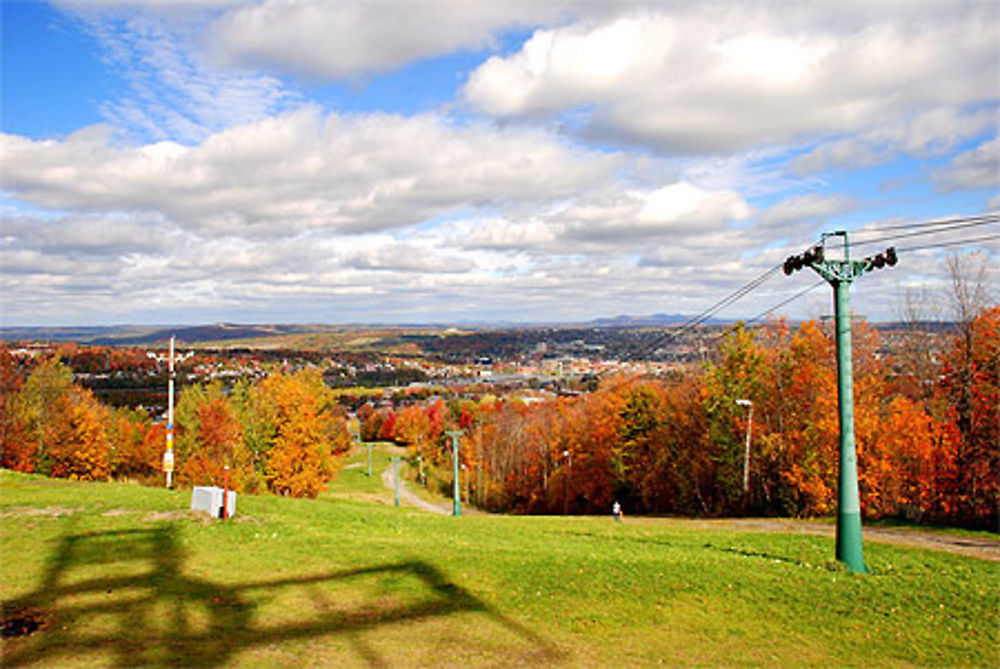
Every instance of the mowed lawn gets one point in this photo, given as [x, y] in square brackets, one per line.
[121, 574]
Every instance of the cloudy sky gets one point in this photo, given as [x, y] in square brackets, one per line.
[190, 161]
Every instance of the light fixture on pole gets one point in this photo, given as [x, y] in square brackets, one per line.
[746, 454]
[568, 455]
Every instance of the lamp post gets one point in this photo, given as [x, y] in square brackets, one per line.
[225, 494]
[746, 454]
[569, 475]
[457, 504]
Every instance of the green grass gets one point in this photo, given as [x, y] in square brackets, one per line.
[125, 575]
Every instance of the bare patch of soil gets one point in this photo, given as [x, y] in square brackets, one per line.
[982, 548]
[21, 622]
[28, 511]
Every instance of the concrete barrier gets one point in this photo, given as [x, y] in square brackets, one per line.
[208, 499]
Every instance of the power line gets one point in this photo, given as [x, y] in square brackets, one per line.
[934, 223]
[916, 229]
[957, 242]
[919, 233]
[784, 302]
[708, 313]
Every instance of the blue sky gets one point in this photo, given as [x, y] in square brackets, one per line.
[191, 161]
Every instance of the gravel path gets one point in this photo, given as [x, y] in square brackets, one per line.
[982, 548]
[410, 497]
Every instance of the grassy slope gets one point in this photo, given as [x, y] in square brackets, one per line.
[125, 575]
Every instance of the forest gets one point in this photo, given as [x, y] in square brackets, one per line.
[927, 425]
[927, 428]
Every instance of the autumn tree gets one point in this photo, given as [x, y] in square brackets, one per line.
[310, 431]
[219, 433]
[81, 449]
[737, 373]
[971, 381]
[136, 445]
[15, 446]
[43, 409]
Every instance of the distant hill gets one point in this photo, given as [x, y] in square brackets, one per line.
[625, 321]
[149, 335]
[85, 335]
[131, 335]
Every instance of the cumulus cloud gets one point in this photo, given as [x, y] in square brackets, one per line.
[851, 152]
[978, 168]
[305, 170]
[724, 78]
[344, 40]
[799, 213]
[930, 133]
[619, 223]
[228, 198]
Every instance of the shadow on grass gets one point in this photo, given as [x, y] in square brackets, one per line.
[140, 608]
[772, 555]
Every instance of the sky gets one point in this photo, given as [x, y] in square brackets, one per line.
[445, 161]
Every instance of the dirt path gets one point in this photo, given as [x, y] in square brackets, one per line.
[983, 548]
[441, 507]
[410, 497]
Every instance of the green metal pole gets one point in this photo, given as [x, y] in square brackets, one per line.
[840, 274]
[395, 473]
[457, 504]
[369, 445]
[849, 543]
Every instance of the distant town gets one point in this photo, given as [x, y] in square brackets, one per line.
[399, 364]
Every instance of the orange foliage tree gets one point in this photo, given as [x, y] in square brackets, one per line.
[217, 437]
[82, 451]
[311, 429]
[136, 445]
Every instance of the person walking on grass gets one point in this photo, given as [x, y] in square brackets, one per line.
[616, 511]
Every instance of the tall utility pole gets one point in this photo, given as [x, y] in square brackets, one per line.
[395, 478]
[168, 456]
[840, 273]
[746, 454]
[457, 504]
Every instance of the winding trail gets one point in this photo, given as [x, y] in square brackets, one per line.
[982, 548]
[411, 497]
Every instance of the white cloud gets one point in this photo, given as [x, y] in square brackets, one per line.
[617, 225]
[344, 40]
[930, 133]
[231, 200]
[796, 214]
[172, 91]
[682, 204]
[978, 168]
[304, 170]
[851, 152]
[724, 78]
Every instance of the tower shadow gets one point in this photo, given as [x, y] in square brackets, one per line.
[124, 596]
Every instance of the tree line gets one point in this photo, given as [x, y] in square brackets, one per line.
[282, 434]
[927, 429]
